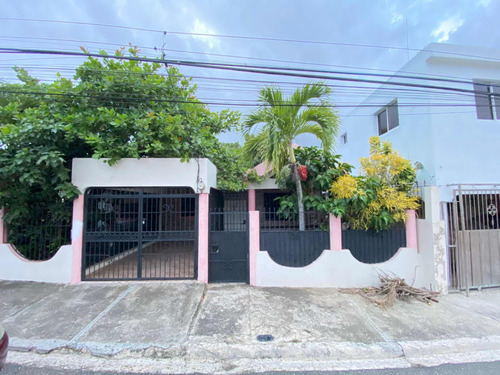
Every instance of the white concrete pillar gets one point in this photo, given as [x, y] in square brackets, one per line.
[432, 232]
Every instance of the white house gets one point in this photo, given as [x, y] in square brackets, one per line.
[453, 135]
[442, 111]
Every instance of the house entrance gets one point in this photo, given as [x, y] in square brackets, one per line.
[474, 238]
[228, 237]
[139, 233]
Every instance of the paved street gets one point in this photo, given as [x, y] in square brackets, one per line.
[491, 368]
[183, 327]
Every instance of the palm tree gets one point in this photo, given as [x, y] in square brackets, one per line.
[279, 120]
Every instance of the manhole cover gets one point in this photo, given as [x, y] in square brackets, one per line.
[265, 338]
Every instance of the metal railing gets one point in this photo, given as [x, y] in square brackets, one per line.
[40, 234]
[228, 221]
[473, 222]
[274, 220]
[418, 191]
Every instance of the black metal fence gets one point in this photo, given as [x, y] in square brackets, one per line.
[40, 233]
[273, 220]
[139, 233]
[372, 247]
[286, 245]
[229, 221]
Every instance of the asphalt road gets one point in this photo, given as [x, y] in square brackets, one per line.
[488, 368]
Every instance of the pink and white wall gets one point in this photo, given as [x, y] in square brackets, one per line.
[422, 263]
[65, 266]
[336, 267]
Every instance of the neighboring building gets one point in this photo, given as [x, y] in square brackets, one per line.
[451, 137]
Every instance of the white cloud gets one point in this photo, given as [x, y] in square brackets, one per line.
[484, 3]
[396, 17]
[121, 6]
[200, 27]
[447, 27]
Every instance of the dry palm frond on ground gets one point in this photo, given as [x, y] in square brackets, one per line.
[392, 289]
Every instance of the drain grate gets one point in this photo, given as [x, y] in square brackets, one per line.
[265, 338]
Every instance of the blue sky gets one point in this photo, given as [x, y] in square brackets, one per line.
[363, 35]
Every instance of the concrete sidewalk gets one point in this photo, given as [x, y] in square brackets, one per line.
[220, 324]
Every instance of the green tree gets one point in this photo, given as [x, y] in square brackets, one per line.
[323, 169]
[279, 120]
[111, 109]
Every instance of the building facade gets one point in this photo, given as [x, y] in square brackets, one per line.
[451, 135]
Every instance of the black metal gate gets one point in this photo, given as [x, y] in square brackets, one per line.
[140, 233]
[228, 246]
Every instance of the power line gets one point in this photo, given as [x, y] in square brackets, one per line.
[242, 37]
[396, 75]
[231, 56]
[252, 103]
[290, 72]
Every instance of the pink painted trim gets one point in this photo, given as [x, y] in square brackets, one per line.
[14, 252]
[254, 244]
[251, 200]
[203, 238]
[77, 239]
[3, 227]
[411, 229]
[335, 233]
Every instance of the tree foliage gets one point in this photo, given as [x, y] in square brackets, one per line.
[280, 119]
[324, 168]
[111, 109]
[378, 198]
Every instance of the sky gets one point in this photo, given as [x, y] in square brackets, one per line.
[347, 35]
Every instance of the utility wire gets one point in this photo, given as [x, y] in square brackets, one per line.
[241, 37]
[231, 56]
[322, 71]
[154, 98]
[290, 72]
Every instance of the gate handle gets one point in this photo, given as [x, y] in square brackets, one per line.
[214, 249]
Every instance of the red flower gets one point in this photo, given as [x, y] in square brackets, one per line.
[302, 172]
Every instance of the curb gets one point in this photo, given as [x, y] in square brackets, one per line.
[320, 351]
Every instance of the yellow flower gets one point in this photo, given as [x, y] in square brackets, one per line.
[345, 187]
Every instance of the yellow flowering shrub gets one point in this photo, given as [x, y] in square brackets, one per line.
[345, 187]
[380, 197]
[389, 201]
[386, 164]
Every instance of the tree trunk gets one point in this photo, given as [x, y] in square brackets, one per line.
[300, 202]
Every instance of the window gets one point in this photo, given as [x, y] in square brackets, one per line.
[388, 118]
[487, 100]
[343, 138]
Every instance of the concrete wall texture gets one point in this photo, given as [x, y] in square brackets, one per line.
[145, 172]
[431, 233]
[55, 270]
[337, 267]
[450, 143]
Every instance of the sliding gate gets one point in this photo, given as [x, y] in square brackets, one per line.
[139, 233]
[474, 237]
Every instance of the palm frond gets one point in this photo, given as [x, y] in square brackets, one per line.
[324, 117]
[279, 120]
